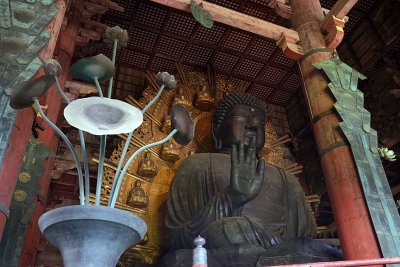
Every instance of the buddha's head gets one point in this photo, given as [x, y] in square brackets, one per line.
[238, 118]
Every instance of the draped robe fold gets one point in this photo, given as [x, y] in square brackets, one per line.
[198, 204]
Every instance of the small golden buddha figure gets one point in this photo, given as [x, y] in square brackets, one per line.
[170, 152]
[147, 168]
[181, 99]
[137, 197]
[203, 100]
[166, 126]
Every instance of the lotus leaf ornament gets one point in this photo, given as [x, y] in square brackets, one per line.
[24, 93]
[166, 79]
[116, 33]
[181, 121]
[103, 116]
[52, 67]
[88, 68]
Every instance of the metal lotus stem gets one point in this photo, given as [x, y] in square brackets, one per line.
[114, 55]
[100, 168]
[70, 146]
[128, 141]
[118, 180]
[83, 147]
[154, 99]
[96, 81]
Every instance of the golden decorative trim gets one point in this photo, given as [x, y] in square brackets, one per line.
[24, 177]
[20, 195]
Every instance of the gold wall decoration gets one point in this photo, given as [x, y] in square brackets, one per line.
[24, 177]
[20, 195]
[154, 128]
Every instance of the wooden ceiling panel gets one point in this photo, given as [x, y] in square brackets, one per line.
[279, 97]
[142, 40]
[209, 36]
[242, 84]
[225, 62]
[151, 15]
[136, 59]
[248, 68]
[293, 83]
[282, 59]
[181, 24]
[236, 40]
[171, 47]
[365, 5]
[261, 48]
[261, 91]
[354, 19]
[261, 2]
[198, 55]
[162, 64]
[272, 75]
[255, 11]
[232, 4]
[161, 36]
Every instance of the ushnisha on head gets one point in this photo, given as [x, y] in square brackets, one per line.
[238, 118]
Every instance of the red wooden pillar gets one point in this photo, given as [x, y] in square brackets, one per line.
[347, 200]
[22, 127]
[64, 53]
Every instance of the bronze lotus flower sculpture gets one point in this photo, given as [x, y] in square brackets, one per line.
[116, 33]
[52, 67]
[103, 116]
[181, 121]
[24, 93]
[166, 79]
[87, 69]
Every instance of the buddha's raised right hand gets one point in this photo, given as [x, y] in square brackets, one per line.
[247, 174]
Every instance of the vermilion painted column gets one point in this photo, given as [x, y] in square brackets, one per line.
[347, 200]
[64, 53]
[22, 126]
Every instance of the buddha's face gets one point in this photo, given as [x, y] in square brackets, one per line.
[241, 124]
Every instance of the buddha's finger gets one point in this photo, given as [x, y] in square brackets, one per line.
[234, 156]
[260, 168]
[241, 152]
[251, 151]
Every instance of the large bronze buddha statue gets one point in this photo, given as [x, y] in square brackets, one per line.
[248, 211]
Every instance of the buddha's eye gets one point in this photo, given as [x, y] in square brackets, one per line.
[240, 118]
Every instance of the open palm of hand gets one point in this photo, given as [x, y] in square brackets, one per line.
[247, 174]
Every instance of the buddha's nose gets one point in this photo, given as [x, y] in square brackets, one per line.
[252, 128]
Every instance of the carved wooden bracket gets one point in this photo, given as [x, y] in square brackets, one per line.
[335, 33]
[289, 47]
[90, 29]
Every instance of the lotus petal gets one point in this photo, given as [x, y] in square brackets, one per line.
[182, 122]
[164, 78]
[116, 33]
[52, 67]
[103, 116]
[88, 68]
[23, 94]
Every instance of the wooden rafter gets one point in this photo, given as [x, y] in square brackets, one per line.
[339, 10]
[237, 20]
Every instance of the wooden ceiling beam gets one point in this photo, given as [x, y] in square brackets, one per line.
[236, 19]
[339, 10]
